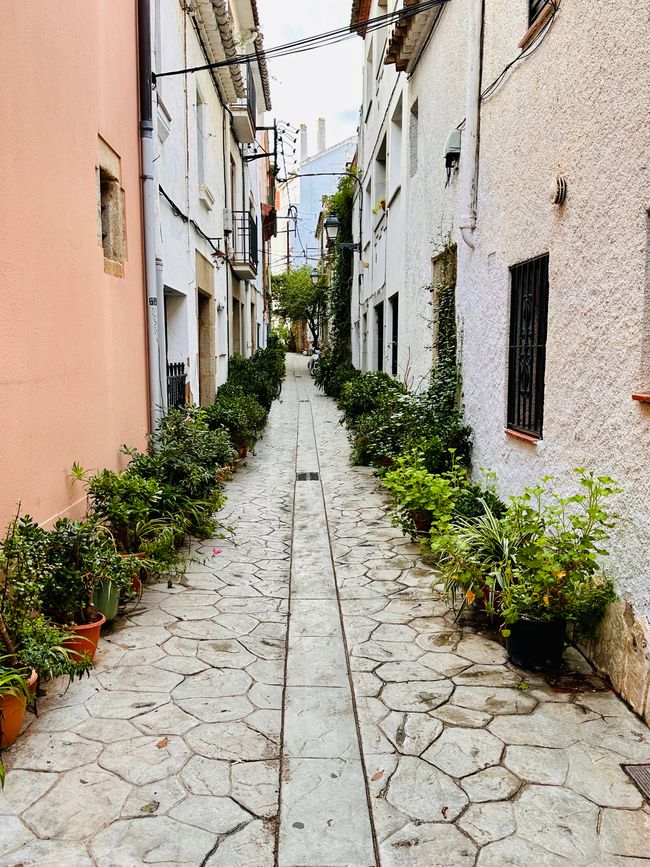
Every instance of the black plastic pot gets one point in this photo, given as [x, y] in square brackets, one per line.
[536, 645]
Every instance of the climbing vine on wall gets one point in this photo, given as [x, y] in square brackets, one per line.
[445, 384]
[336, 362]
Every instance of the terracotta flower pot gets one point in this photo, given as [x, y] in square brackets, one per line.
[12, 714]
[136, 578]
[242, 451]
[86, 638]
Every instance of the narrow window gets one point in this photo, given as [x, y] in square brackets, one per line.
[413, 139]
[395, 150]
[534, 8]
[394, 329]
[379, 332]
[201, 136]
[370, 75]
[379, 181]
[111, 228]
[527, 355]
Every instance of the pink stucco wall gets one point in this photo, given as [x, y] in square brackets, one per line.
[73, 380]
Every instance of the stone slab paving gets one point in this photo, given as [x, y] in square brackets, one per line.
[304, 699]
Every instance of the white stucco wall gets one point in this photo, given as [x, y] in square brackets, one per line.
[568, 109]
[177, 165]
[578, 107]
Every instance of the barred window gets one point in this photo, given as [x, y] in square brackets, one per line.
[527, 356]
[534, 8]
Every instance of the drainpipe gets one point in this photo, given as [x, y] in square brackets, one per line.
[470, 151]
[148, 201]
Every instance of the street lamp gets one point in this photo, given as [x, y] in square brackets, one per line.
[331, 229]
[315, 276]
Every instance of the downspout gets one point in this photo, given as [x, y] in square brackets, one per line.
[148, 210]
[470, 145]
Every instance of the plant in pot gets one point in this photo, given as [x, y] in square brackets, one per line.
[557, 580]
[537, 567]
[27, 638]
[417, 495]
[241, 416]
[16, 692]
[129, 506]
[84, 569]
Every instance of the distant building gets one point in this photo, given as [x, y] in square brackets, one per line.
[300, 200]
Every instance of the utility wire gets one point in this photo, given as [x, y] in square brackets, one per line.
[319, 40]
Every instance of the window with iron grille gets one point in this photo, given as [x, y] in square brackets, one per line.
[534, 8]
[527, 356]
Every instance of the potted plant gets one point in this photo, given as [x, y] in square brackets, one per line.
[17, 688]
[28, 640]
[537, 567]
[82, 560]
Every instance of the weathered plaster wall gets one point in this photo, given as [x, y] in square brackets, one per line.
[73, 375]
[578, 107]
[568, 109]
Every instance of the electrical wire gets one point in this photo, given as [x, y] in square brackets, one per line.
[530, 49]
[319, 40]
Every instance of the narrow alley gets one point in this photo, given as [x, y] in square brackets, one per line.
[384, 735]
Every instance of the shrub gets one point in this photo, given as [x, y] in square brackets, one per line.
[367, 393]
[27, 638]
[540, 559]
[240, 415]
[78, 554]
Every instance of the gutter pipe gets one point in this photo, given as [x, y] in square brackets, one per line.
[470, 145]
[156, 391]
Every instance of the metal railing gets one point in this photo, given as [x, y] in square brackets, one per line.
[250, 99]
[244, 240]
[176, 384]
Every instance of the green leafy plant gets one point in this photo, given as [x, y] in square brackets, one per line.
[240, 415]
[27, 638]
[540, 560]
[297, 299]
[368, 393]
[419, 497]
[15, 683]
[78, 555]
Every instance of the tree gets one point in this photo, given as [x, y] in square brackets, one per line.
[298, 300]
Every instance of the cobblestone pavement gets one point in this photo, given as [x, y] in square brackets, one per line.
[386, 735]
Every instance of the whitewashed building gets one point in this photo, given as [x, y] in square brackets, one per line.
[215, 205]
[523, 144]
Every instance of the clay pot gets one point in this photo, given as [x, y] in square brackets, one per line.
[86, 637]
[242, 451]
[12, 714]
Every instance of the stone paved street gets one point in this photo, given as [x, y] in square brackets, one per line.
[385, 735]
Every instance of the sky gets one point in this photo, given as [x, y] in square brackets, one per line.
[322, 83]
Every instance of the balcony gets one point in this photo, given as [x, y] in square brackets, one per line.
[244, 249]
[244, 113]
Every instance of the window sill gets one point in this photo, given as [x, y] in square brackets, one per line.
[113, 268]
[641, 397]
[518, 435]
[536, 26]
[205, 196]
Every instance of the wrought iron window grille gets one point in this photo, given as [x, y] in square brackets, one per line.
[527, 352]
